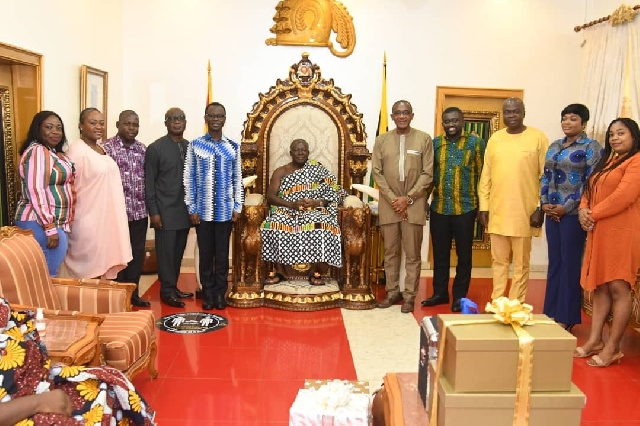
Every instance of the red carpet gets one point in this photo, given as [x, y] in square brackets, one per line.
[249, 372]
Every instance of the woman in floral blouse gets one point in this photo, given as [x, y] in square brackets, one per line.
[569, 162]
[34, 392]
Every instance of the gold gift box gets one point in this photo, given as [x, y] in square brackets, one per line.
[358, 387]
[496, 409]
[484, 357]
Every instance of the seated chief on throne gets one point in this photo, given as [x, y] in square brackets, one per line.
[302, 225]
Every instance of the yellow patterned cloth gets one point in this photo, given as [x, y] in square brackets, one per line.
[99, 395]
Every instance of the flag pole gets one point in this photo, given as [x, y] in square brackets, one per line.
[209, 91]
[383, 115]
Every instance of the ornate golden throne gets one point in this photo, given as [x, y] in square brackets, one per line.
[312, 108]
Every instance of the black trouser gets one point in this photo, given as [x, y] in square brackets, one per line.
[443, 228]
[170, 245]
[137, 238]
[213, 248]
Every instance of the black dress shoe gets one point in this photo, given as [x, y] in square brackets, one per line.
[172, 301]
[219, 302]
[455, 306]
[207, 304]
[435, 300]
[183, 294]
[140, 302]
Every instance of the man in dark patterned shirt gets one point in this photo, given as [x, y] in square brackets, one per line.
[129, 154]
[457, 164]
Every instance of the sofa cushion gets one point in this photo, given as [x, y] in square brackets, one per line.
[24, 276]
[126, 336]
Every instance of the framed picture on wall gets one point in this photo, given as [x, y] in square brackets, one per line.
[94, 89]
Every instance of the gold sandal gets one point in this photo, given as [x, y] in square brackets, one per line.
[579, 352]
[316, 279]
[596, 361]
[273, 278]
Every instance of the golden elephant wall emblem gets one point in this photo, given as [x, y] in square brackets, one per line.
[309, 23]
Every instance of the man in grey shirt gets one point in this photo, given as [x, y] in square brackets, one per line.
[164, 164]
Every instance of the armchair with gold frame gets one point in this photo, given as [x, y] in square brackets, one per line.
[312, 108]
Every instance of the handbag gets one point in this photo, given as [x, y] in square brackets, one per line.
[537, 218]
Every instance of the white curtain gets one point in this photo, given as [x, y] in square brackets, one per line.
[603, 72]
[634, 67]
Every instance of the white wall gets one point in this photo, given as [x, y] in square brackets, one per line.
[156, 53]
[69, 33]
[528, 44]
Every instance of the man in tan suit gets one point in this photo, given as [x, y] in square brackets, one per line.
[402, 166]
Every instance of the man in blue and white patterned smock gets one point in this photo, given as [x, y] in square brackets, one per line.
[214, 198]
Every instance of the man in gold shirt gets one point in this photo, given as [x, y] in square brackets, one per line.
[402, 166]
[509, 193]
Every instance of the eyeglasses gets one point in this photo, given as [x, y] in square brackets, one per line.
[215, 116]
[175, 118]
[405, 112]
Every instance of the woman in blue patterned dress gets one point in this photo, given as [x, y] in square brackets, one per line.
[569, 162]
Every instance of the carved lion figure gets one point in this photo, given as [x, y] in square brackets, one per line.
[354, 243]
[251, 243]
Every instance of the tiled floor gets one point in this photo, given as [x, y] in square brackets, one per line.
[249, 372]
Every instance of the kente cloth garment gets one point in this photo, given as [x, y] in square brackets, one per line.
[456, 172]
[567, 169]
[291, 236]
[509, 187]
[99, 395]
[47, 188]
[213, 178]
[130, 161]
[613, 246]
[99, 239]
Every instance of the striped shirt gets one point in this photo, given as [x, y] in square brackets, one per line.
[48, 192]
[213, 178]
[456, 172]
[130, 161]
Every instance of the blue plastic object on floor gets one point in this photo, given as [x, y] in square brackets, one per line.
[467, 306]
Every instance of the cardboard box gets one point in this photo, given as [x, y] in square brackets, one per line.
[431, 387]
[428, 352]
[484, 357]
[313, 407]
[496, 409]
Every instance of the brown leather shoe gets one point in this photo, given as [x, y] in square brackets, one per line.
[407, 306]
[389, 300]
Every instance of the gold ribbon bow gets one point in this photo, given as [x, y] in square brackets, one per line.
[517, 315]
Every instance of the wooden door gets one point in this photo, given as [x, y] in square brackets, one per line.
[482, 109]
[20, 100]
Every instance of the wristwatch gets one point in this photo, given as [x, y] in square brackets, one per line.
[409, 200]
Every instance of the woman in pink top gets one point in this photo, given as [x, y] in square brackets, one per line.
[99, 240]
[47, 200]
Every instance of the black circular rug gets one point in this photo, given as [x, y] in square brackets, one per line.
[191, 322]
